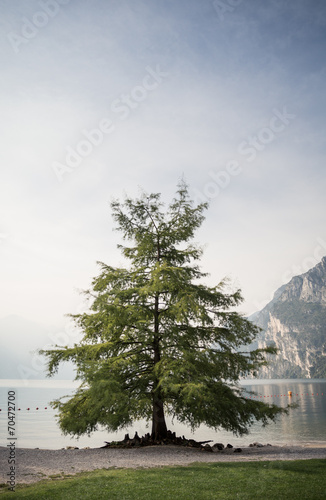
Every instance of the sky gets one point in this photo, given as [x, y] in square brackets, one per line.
[102, 99]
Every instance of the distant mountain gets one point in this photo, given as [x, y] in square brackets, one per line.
[19, 340]
[295, 322]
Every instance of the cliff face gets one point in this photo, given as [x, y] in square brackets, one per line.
[295, 322]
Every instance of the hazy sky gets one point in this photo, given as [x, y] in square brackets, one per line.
[101, 98]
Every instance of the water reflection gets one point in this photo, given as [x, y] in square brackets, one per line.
[305, 424]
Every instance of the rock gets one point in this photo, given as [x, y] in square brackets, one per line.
[207, 447]
[300, 355]
[193, 443]
[218, 446]
[256, 445]
[237, 450]
[229, 445]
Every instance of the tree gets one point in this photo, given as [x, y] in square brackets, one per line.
[157, 340]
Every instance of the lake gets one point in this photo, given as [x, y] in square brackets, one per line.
[38, 428]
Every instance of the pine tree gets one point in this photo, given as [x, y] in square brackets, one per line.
[157, 340]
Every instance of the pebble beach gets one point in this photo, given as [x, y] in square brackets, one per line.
[33, 465]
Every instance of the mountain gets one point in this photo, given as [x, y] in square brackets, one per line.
[295, 322]
[20, 339]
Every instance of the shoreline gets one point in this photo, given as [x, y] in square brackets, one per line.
[243, 447]
[33, 465]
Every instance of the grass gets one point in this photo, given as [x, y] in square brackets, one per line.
[300, 479]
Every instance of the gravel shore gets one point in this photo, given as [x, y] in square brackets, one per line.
[34, 464]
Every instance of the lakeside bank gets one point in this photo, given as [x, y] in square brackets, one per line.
[34, 465]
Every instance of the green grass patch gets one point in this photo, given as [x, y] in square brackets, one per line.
[300, 479]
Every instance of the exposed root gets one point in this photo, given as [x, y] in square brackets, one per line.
[147, 440]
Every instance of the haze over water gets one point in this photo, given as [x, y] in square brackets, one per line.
[305, 425]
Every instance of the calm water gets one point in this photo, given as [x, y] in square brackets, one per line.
[38, 428]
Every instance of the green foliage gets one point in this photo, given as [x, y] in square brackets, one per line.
[248, 481]
[156, 338]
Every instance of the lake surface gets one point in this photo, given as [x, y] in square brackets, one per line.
[38, 428]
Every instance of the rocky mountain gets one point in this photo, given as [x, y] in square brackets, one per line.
[295, 322]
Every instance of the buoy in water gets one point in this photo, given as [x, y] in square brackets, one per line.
[289, 393]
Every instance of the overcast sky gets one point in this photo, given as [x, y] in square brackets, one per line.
[101, 98]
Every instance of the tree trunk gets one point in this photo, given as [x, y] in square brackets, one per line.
[159, 429]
